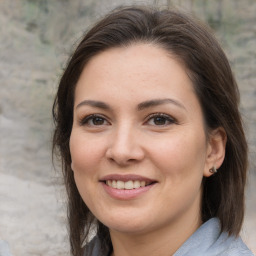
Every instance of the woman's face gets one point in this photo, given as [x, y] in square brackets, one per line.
[138, 144]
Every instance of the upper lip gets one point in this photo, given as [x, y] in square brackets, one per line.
[126, 177]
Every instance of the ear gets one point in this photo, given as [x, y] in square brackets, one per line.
[215, 150]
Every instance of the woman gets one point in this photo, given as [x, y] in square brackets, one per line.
[152, 145]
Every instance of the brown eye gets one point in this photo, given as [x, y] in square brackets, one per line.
[94, 120]
[97, 121]
[160, 119]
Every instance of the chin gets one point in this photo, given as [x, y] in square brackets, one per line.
[128, 224]
[129, 229]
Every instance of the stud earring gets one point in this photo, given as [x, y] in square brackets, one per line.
[213, 170]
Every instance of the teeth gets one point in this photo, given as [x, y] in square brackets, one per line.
[118, 184]
[143, 183]
[113, 185]
[136, 184]
[128, 185]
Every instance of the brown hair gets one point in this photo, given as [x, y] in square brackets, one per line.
[191, 43]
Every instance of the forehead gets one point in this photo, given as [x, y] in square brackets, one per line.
[142, 64]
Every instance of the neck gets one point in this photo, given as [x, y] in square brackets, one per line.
[165, 241]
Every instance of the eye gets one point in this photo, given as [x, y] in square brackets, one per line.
[93, 120]
[160, 119]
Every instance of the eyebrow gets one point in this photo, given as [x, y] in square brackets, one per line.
[141, 106]
[94, 103]
[157, 102]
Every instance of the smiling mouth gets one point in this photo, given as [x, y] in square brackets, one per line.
[128, 185]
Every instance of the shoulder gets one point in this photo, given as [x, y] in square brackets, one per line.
[232, 246]
[208, 240]
[237, 248]
[229, 245]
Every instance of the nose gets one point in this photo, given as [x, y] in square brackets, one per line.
[125, 146]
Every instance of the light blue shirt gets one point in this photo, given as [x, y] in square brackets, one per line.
[206, 241]
[4, 248]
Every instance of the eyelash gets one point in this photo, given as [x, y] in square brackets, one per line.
[87, 119]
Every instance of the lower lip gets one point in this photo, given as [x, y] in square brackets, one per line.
[126, 194]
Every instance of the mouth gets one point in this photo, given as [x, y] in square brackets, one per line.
[126, 187]
[127, 182]
[130, 184]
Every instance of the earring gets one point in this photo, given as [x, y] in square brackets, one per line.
[213, 170]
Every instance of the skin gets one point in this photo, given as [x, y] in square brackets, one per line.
[173, 151]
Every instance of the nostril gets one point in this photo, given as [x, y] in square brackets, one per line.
[124, 152]
[122, 160]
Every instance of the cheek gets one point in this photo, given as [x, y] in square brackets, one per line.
[85, 154]
[180, 154]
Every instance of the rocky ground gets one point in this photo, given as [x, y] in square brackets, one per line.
[35, 40]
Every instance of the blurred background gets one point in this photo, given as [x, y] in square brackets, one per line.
[36, 39]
